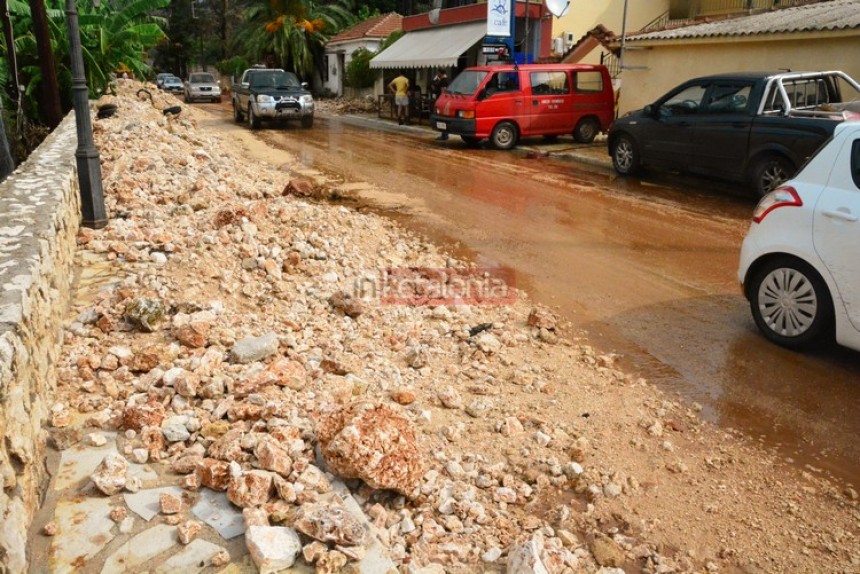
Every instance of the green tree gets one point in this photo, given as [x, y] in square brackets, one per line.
[358, 72]
[293, 32]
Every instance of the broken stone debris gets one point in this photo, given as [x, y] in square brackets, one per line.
[232, 352]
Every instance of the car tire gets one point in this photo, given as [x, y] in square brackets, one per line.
[625, 155]
[790, 303]
[253, 120]
[769, 172]
[586, 130]
[307, 121]
[504, 135]
[238, 117]
[471, 141]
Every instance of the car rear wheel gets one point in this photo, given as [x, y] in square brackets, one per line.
[253, 120]
[769, 172]
[307, 121]
[790, 303]
[586, 130]
[237, 114]
[625, 155]
[504, 135]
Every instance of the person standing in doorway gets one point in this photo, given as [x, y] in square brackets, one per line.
[400, 87]
[438, 86]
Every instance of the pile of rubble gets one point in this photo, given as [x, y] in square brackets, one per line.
[341, 106]
[241, 349]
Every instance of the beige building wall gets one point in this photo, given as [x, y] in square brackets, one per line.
[666, 64]
[584, 15]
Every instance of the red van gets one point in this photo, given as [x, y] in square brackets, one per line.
[507, 102]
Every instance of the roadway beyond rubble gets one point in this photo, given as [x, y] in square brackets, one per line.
[226, 404]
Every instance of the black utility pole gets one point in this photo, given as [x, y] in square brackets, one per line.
[49, 91]
[87, 156]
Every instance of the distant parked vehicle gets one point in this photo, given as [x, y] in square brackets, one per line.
[159, 79]
[799, 267]
[267, 94]
[751, 127]
[507, 102]
[202, 86]
[173, 85]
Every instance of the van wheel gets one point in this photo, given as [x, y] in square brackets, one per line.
[471, 141]
[625, 155]
[586, 130]
[504, 135]
[237, 114]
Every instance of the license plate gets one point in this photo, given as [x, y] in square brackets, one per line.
[441, 126]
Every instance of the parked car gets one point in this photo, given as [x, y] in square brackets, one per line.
[202, 86]
[271, 94]
[173, 85]
[799, 267]
[159, 79]
[751, 127]
[507, 102]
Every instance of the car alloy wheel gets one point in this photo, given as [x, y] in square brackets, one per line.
[790, 302]
[625, 155]
[769, 173]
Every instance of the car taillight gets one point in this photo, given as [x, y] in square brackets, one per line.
[785, 196]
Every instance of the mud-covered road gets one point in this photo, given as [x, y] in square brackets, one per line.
[642, 269]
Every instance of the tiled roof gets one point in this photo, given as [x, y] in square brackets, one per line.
[832, 15]
[374, 27]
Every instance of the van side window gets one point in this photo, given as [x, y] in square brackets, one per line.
[503, 82]
[549, 83]
[588, 82]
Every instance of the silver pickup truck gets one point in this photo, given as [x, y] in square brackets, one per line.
[271, 94]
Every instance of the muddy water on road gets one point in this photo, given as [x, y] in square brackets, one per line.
[645, 270]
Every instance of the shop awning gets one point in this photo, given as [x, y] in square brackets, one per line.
[435, 47]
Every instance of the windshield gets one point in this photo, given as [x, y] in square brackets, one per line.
[467, 82]
[274, 80]
[201, 79]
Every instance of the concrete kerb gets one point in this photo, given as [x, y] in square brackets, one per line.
[593, 154]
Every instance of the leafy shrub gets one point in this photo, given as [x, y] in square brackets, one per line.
[358, 72]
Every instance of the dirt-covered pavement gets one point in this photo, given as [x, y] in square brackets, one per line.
[239, 389]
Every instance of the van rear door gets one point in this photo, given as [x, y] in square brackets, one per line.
[550, 103]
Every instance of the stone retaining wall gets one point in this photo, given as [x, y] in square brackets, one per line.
[39, 218]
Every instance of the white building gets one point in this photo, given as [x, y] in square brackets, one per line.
[368, 34]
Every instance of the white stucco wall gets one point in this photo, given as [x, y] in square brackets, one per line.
[338, 57]
[665, 65]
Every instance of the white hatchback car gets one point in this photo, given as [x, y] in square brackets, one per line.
[800, 261]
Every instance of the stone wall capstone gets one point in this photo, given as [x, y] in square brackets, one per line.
[39, 219]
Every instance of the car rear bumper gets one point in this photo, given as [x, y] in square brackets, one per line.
[456, 126]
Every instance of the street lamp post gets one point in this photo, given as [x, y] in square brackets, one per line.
[86, 155]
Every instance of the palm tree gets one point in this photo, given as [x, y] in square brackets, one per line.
[116, 35]
[293, 31]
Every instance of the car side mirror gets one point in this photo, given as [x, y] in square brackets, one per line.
[481, 95]
[648, 110]
[304, 85]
